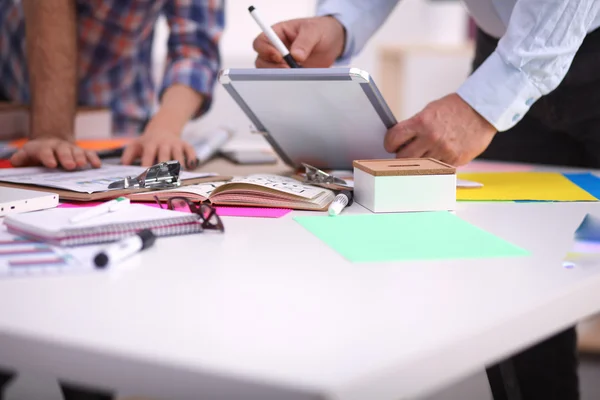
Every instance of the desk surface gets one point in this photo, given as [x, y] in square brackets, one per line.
[268, 311]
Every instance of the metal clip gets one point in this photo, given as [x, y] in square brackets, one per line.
[315, 176]
[163, 175]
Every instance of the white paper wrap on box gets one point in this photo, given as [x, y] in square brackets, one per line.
[404, 185]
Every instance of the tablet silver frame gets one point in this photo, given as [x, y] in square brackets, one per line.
[228, 76]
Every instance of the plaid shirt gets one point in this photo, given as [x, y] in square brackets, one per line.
[115, 60]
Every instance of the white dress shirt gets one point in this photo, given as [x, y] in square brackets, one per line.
[538, 41]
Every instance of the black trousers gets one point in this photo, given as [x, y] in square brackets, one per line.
[70, 392]
[563, 129]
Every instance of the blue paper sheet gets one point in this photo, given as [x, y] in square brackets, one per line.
[587, 181]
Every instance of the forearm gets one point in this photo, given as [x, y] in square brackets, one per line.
[531, 59]
[51, 37]
[179, 103]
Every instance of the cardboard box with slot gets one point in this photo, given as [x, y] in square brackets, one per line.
[403, 185]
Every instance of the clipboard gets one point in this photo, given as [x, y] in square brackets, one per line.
[161, 176]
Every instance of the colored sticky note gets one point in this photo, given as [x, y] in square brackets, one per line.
[407, 236]
[549, 186]
[587, 181]
[252, 212]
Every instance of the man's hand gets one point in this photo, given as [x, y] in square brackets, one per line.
[448, 130]
[52, 153]
[313, 42]
[159, 146]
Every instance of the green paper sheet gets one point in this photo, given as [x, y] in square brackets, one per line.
[407, 236]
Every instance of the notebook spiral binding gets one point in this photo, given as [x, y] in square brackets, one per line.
[113, 232]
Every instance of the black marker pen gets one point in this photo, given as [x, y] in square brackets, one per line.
[272, 36]
[124, 248]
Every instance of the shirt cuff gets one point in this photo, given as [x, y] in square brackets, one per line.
[499, 92]
[332, 8]
[197, 74]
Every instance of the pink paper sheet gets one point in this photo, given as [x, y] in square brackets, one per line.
[252, 212]
[96, 203]
[79, 205]
[221, 211]
[494, 166]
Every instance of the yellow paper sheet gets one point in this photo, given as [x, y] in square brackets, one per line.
[548, 186]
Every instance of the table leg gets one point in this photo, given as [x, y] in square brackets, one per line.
[503, 381]
[72, 392]
[547, 370]
[5, 378]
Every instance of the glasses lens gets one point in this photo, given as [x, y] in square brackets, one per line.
[180, 205]
[210, 217]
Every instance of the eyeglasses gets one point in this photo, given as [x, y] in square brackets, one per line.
[208, 215]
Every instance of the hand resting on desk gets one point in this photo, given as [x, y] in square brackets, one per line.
[52, 153]
[161, 140]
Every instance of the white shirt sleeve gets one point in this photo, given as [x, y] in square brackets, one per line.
[360, 18]
[531, 59]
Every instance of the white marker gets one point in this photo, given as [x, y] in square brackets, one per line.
[123, 249]
[104, 208]
[274, 39]
[463, 183]
[209, 146]
[343, 199]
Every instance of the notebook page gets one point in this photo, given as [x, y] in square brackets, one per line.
[279, 183]
[201, 189]
[54, 221]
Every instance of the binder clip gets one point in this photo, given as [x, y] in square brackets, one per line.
[315, 176]
[164, 175]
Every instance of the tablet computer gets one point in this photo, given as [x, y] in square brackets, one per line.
[325, 117]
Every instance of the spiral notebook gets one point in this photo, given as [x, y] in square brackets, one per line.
[53, 226]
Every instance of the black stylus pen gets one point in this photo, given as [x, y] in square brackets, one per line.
[272, 36]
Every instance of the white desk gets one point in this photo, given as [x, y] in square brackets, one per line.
[268, 311]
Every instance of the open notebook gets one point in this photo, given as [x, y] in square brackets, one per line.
[262, 190]
[53, 226]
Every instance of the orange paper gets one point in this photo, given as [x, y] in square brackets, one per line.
[97, 145]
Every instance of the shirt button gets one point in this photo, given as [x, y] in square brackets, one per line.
[516, 117]
[529, 101]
